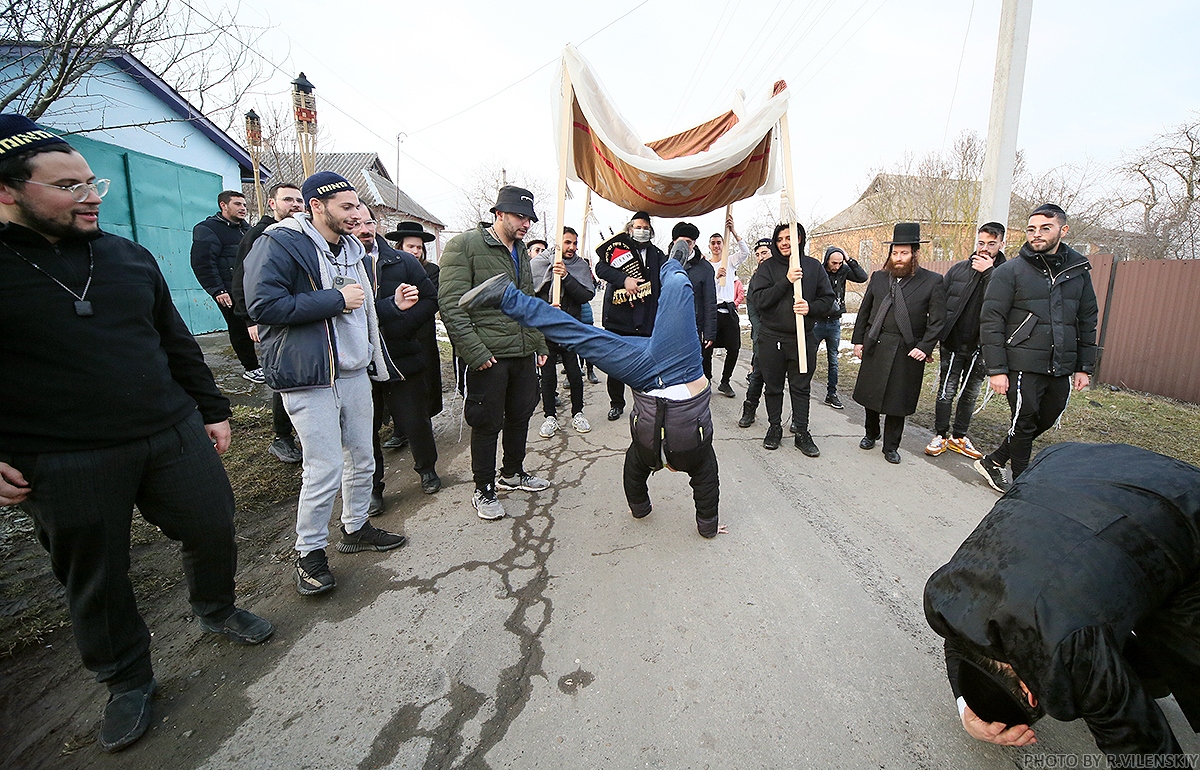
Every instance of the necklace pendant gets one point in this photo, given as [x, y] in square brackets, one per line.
[83, 308]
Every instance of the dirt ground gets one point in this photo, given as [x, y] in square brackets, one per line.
[50, 706]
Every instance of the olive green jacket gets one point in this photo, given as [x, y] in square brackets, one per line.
[470, 259]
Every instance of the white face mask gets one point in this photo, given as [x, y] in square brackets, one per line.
[641, 234]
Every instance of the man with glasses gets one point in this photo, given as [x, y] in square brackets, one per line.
[107, 404]
[501, 357]
[1038, 332]
[215, 244]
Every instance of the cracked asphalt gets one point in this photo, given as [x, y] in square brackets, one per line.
[570, 635]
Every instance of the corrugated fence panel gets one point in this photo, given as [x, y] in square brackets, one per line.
[1153, 339]
[1101, 270]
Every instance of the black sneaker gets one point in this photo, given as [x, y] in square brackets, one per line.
[242, 626]
[834, 401]
[748, 411]
[126, 717]
[487, 294]
[312, 573]
[725, 390]
[774, 436]
[805, 443]
[285, 450]
[376, 505]
[369, 538]
[430, 482]
[397, 441]
[591, 375]
[615, 413]
[993, 473]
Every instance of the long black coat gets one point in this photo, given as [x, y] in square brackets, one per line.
[889, 381]
[1091, 544]
[427, 336]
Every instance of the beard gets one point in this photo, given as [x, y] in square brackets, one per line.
[334, 224]
[1047, 247]
[900, 271]
[62, 227]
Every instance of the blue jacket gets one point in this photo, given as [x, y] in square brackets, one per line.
[282, 280]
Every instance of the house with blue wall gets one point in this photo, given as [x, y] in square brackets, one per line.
[167, 163]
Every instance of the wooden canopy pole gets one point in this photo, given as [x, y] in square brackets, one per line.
[583, 231]
[564, 139]
[725, 246]
[787, 211]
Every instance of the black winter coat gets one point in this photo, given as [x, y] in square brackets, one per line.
[238, 292]
[214, 252]
[1039, 315]
[400, 329]
[1091, 544]
[965, 289]
[634, 319]
[704, 296]
[427, 336]
[889, 380]
[772, 295]
[849, 271]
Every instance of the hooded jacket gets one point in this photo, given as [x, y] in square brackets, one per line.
[214, 252]
[1039, 315]
[470, 259]
[772, 295]
[849, 271]
[1091, 544]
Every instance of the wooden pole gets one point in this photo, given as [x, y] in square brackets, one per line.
[564, 139]
[725, 246]
[583, 231]
[258, 190]
[787, 211]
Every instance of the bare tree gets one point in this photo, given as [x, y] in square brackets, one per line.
[53, 44]
[1160, 201]
[481, 190]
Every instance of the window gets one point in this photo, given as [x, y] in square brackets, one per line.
[864, 250]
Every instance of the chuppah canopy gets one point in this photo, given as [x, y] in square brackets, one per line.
[729, 158]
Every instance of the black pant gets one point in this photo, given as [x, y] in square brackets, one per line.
[957, 370]
[731, 359]
[280, 422]
[570, 362]
[82, 507]
[754, 381]
[501, 397]
[239, 338]
[1036, 402]
[778, 359]
[893, 429]
[407, 400]
[699, 464]
[729, 338]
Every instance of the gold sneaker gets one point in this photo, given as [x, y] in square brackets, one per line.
[964, 447]
[936, 446]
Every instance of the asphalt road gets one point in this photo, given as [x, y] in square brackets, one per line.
[571, 635]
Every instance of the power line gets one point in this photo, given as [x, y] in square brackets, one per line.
[844, 42]
[961, 56]
[705, 58]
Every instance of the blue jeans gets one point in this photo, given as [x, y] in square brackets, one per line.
[670, 356]
[830, 331]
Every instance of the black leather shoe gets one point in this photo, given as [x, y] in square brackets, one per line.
[126, 717]
[430, 482]
[805, 443]
[892, 456]
[615, 413]
[243, 627]
[774, 436]
[591, 376]
[748, 411]
[793, 426]
[866, 443]
[487, 294]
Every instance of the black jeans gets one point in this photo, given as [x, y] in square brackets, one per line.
[408, 402]
[965, 371]
[893, 429]
[82, 507]
[754, 381]
[570, 362]
[239, 338]
[500, 398]
[701, 467]
[778, 359]
[1036, 401]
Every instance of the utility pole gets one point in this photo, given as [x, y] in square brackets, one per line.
[1001, 155]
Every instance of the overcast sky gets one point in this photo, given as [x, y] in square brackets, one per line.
[871, 80]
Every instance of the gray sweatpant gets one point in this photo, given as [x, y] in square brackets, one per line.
[334, 426]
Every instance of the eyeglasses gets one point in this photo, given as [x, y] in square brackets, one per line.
[79, 192]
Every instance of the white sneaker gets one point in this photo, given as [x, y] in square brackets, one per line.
[255, 375]
[580, 423]
[549, 427]
[487, 506]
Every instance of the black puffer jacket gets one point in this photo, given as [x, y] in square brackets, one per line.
[401, 328]
[772, 295]
[965, 290]
[214, 252]
[1039, 315]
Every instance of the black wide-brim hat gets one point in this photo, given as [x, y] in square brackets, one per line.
[991, 700]
[407, 229]
[905, 234]
[515, 200]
